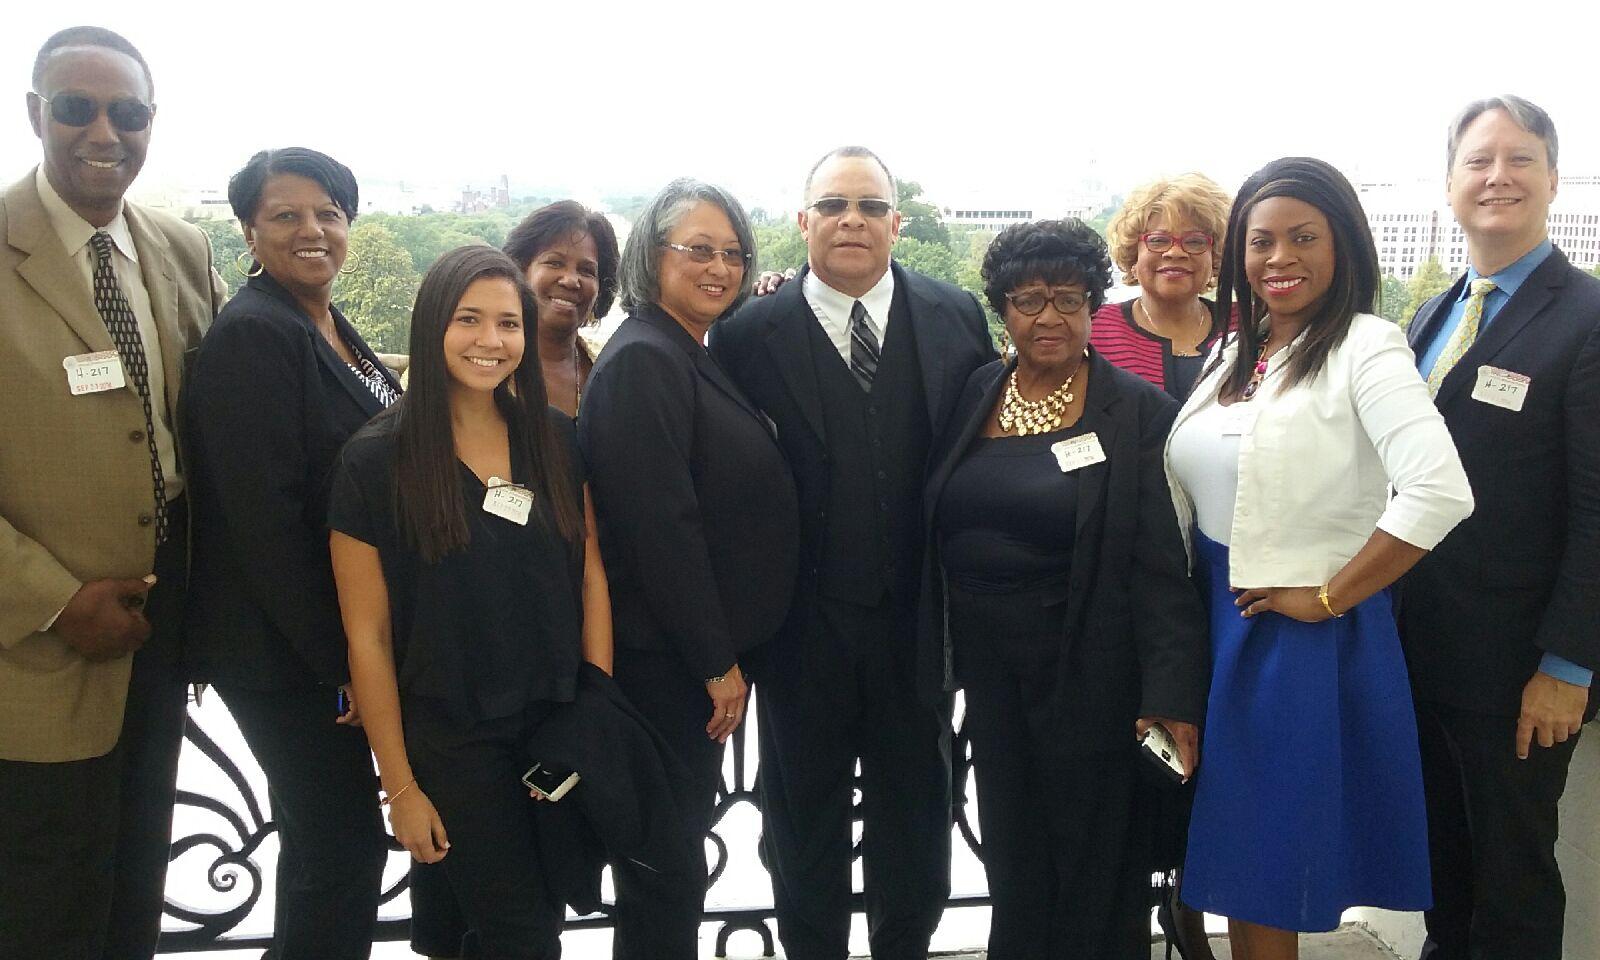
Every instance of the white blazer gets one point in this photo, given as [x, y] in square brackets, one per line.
[1317, 468]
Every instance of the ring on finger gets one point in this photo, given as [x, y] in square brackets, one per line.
[729, 714]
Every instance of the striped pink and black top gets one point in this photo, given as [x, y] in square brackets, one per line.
[1120, 339]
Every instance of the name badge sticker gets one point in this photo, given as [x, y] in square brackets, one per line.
[94, 372]
[1506, 389]
[1078, 452]
[508, 501]
[1239, 419]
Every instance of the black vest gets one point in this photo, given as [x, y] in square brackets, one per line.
[878, 452]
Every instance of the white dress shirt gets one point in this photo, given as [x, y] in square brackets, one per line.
[833, 309]
[75, 233]
[1317, 466]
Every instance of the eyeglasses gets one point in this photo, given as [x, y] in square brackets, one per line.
[1031, 304]
[77, 110]
[1193, 243]
[872, 207]
[732, 258]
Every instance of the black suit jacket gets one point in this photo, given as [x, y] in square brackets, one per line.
[766, 349]
[1522, 574]
[1135, 642]
[627, 804]
[696, 509]
[268, 406]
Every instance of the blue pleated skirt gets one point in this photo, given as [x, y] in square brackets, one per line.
[1309, 792]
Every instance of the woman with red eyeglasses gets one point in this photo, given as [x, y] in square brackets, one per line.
[1164, 240]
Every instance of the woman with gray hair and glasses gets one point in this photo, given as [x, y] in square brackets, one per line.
[697, 513]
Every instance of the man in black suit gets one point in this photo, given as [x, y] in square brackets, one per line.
[1501, 621]
[859, 364]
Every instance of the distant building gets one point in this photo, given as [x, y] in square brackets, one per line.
[495, 198]
[985, 214]
[1413, 223]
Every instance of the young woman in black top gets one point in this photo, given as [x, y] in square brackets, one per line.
[470, 587]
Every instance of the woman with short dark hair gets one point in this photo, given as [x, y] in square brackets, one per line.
[699, 519]
[470, 587]
[568, 255]
[278, 385]
[1056, 576]
[1314, 470]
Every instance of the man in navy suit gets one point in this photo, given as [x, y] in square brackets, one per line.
[859, 364]
[1501, 622]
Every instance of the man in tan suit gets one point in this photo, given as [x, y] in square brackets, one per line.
[100, 300]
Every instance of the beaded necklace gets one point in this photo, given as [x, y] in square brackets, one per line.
[1035, 416]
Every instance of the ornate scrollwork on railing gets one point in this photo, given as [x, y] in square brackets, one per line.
[232, 831]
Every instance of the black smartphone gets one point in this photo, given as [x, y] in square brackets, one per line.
[550, 783]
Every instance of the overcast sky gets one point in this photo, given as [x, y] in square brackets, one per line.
[995, 101]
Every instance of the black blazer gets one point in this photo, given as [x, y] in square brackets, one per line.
[1136, 640]
[1521, 576]
[267, 408]
[766, 349]
[696, 509]
[628, 800]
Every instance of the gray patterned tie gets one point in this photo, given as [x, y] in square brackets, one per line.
[863, 348]
[124, 330]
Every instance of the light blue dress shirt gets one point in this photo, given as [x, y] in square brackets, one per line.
[1507, 282]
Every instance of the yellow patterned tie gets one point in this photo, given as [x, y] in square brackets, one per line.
[1465, 333]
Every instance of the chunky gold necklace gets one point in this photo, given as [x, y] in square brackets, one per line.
[1034, 416]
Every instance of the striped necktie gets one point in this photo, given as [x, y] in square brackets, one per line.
[124, 330]
[863, 348]
[1465, 334]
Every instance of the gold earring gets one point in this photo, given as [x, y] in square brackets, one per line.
[240, 261]
[1007, 348]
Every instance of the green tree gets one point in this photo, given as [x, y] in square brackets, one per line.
[1429, 281]
[1393, 296]
[377, 286]
[928, 258]
[227, 249]
[919, 220]
[626, 207]
[779, 246]
[1596, 270]
[1102, 219]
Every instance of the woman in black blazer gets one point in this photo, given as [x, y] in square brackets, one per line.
[1056, 571]
[278, 385]
[698, 520]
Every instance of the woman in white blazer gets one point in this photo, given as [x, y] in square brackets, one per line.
[1310, 470]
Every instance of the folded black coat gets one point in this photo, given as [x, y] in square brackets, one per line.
[627, 808]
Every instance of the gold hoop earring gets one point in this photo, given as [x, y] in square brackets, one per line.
[239, 264]
[347, 269]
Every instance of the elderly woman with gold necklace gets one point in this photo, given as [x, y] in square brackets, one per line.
[1056, 572]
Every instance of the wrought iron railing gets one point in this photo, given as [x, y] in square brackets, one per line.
[222, 838]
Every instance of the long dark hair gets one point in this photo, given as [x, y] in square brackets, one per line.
[429, 501]
[1354, 287]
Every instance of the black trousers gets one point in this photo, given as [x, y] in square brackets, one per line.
[57, 864]
[1064, 849]
[437, 927]
[853, 699]
[83, 871]
[324, 799]
[473, 775]
[658, 918]
[1492, 827]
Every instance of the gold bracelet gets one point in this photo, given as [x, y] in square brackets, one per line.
[394, 796]
[1327, 604]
